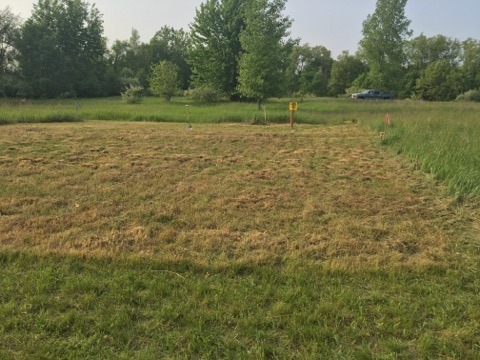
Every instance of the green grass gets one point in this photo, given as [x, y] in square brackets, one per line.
[312, 111]
[152, 109]
[75, 307]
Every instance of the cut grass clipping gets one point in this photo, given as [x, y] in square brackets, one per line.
[217, 194]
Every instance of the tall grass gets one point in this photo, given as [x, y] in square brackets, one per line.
[152, 109]
[178, 110]
[440, 139]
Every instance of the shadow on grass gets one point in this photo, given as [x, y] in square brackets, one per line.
[76, 306]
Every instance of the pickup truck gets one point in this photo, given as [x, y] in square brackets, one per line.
[373, 94]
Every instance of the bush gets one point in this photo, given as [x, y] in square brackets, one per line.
[206, 94]
[471, 95]
[133, 94]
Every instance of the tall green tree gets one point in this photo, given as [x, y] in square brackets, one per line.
[384, 35]
[216, 48]
[309, 70]
[345, 70]
[62, 49]
[441, 81]
[317, 72]
[130, 60]
[470, 60]
[9, 32]
[423, 51]
[266, 50]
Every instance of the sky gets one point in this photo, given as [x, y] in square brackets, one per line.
[335, 24]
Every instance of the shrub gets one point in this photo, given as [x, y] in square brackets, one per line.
[206, 94]
[471, 95]
[133, 94]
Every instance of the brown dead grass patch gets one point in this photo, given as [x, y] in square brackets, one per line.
[221, 193]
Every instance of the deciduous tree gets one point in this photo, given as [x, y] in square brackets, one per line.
[344, 72]
[266, 49]
[164, 79]
[384, 35]
[441, 81]
[9, 32]
[62, 49]
[309, 70]
[130, 60]
[172, 45]
[422, 52]
[216, 48]
[470, 60]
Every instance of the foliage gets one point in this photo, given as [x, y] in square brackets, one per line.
[132, 61]
[172, 45]
[216, 47]
[133, 94]
[128, 60]
[470, 59]
[345, 70]
[9, 33]
[309, 70]
[264, 61]
[384, 35]
[62, 49]
[470, 95]
[205, 94]
[164, 79]
[60, 52]
[441, 81]
[422, 51]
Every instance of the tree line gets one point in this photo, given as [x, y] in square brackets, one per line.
[236, 49]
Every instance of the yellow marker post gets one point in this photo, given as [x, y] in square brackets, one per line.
[293, 107]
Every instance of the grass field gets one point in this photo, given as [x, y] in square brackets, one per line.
[149, 240]
[440, 138]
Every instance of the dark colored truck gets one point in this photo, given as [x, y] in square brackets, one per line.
[373, 94]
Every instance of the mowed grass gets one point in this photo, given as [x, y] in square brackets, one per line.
[150, 240]
[151, 189]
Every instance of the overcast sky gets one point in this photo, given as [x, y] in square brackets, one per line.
[335, 24]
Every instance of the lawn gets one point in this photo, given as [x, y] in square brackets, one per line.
[231, 240]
